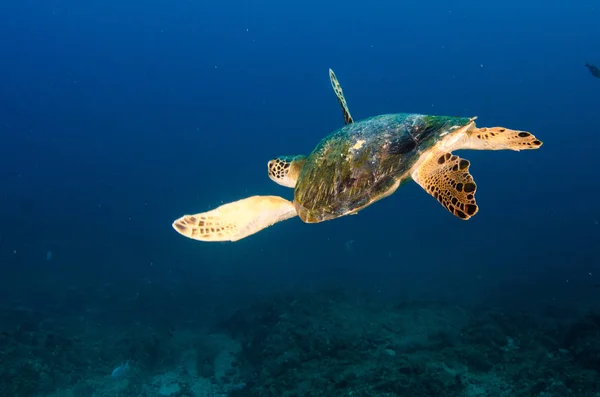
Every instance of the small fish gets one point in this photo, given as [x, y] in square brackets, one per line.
[594, 70]
[120, 370]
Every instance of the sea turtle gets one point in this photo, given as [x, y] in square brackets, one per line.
[359, 164]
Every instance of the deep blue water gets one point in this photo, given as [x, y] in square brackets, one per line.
[118, 117]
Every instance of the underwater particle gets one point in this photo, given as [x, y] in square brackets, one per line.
[594, 70]
[49, 255]
[349, 245]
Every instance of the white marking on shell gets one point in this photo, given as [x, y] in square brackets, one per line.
[358, 144]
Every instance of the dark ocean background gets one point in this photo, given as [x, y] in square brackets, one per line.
[118, 117]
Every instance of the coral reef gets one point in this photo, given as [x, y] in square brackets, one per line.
[325, 346]
[308, 345]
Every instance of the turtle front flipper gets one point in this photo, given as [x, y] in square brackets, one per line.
[446, 177]
[337, 88]
[499, 138]
[236, 220]
[285, 170]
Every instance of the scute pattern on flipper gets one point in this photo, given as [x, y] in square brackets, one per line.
[499, 138]
[204, 227]
[446, 177]
[236, 220]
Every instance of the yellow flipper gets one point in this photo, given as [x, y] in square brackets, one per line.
[446, 177]
[500, 138]
[236, 220]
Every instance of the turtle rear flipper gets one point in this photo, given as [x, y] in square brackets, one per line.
[500, 138]
[285, 170]
[339, 93]
[236, 220]
[446, 177]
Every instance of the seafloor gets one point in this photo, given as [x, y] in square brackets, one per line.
[327, 343]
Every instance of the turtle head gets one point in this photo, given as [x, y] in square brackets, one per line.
[285, 170]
